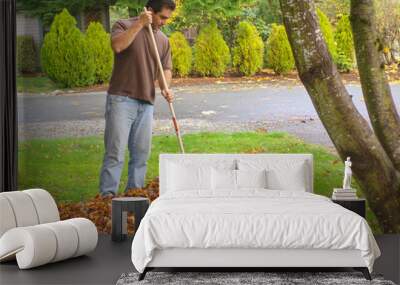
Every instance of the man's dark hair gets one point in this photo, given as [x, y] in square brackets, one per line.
[158, 5]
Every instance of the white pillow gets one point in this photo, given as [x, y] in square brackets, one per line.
[251, 178]
[285, 174]
[223, 179]
[184, 177]
[292, 178]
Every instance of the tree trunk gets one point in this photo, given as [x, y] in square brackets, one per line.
[393, 56]
[378, 98]
[348, 130]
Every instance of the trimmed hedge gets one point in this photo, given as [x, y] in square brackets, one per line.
[327, 33]
[248, 52]
[100, 46]
[181, 54]
[279, 52]
[26, 55]
[345, 45]
[211, 53]
[66, 55]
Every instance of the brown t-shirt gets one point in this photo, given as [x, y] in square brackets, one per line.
[135, 68]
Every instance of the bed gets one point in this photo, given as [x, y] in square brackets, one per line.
[247, 210]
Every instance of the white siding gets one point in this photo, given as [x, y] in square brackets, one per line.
[29, 26]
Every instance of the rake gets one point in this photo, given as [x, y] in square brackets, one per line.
[160, 67]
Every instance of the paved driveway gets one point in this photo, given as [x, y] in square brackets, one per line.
[219, 106]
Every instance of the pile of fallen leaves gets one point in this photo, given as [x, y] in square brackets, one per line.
[98, 209]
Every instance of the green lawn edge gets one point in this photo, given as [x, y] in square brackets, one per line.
[36, 84]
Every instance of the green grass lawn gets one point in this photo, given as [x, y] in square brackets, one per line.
[69, 168]
[36, 84]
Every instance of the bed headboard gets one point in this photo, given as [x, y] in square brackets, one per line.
[214, 159]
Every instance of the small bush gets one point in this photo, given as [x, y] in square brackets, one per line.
[181, 54]
[266, 63]
[345, 46]
[252, 16]
[66, 56]
[211, 53]
[26, 54]
[327, 33]
[269, 30]
[343, 63]
[279, 52]
[248, 52]
[99, 43]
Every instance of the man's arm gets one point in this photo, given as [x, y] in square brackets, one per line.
[168, 95]
[123, 40]
[168, 78]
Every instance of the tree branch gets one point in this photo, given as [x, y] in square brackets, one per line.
[377, 95]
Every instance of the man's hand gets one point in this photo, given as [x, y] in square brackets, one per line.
[168, 95]
[146, 18]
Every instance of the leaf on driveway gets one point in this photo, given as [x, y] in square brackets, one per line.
[208, 113]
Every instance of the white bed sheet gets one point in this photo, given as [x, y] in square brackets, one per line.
[251, 218]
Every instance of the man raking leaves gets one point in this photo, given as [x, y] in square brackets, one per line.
[131, 95]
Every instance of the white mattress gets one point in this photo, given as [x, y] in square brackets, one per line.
[252, 219]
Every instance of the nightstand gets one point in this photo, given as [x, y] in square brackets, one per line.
[119, 213]
[355, 205]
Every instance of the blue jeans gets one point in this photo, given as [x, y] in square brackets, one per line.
[128, 123]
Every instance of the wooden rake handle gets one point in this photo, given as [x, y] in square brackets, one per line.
[160, 67]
